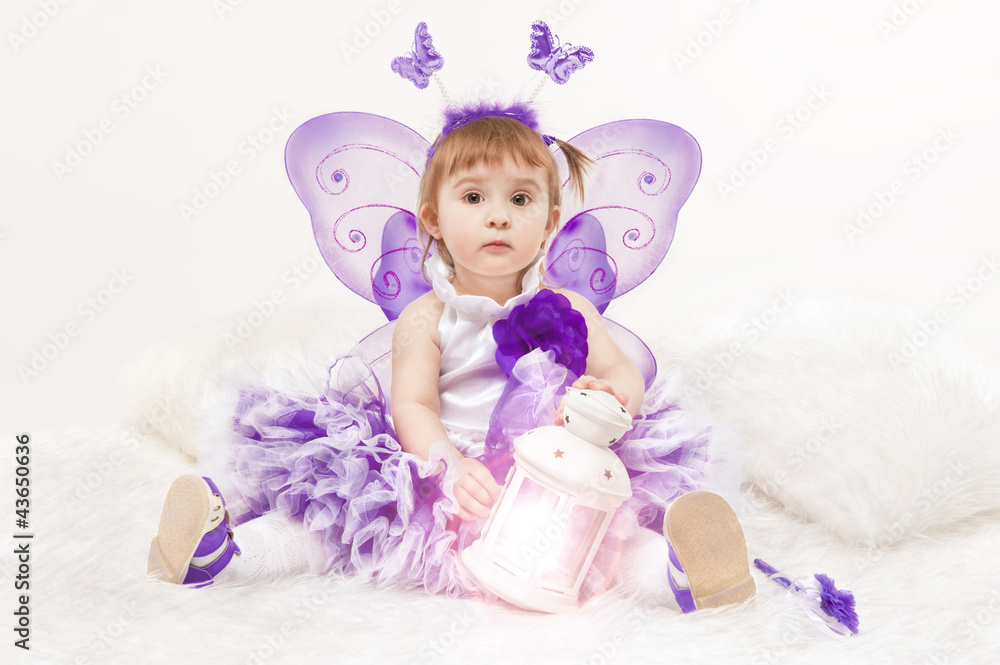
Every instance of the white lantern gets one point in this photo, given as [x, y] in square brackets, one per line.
[556, 505]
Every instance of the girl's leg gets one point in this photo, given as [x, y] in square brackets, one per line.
[194, 544]
[643, 570]
[274, 546]
[701, 563]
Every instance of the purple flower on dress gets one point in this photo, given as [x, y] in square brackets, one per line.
[838, 604]
[548, 322]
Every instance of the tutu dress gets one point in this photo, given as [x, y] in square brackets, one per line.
[333, 461]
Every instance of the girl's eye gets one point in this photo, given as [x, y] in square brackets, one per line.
[520, 199]
[472, 197]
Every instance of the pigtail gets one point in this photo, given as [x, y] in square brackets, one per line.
[577, 163]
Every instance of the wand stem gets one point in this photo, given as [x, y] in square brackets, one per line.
[771, 572]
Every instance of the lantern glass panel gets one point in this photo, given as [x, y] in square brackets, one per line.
[582, 527]
[522, 537]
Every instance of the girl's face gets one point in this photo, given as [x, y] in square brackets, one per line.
[493, 219]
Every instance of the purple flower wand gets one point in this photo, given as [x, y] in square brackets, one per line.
[832, 607]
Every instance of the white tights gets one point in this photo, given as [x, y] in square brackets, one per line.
[273, 546]
[643, 571]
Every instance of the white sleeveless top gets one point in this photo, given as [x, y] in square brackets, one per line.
[471, 382]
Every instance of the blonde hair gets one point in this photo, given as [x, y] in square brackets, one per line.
[489, 141]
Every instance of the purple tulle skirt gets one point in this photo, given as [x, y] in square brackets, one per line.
[386, 515]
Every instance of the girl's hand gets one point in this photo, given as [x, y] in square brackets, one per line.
[476, 491]
[587, 382]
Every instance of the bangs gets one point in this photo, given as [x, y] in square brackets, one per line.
[488, 141]
[491, 140]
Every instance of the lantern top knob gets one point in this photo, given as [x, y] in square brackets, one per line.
[595, 416]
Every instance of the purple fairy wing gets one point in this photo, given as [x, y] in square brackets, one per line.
[376, 350]
[358, 175]
[643, 172]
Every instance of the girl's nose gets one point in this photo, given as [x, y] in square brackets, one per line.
[498, 219]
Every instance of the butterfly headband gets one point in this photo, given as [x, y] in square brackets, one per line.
[558, 61]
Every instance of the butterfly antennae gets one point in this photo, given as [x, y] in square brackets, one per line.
[444, 93]
[537, 89]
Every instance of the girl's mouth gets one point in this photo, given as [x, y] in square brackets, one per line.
[497, 244]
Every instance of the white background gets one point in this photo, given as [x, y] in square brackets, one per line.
[224, 73]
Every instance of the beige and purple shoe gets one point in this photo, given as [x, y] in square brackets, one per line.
[193, 542]
[709, 566]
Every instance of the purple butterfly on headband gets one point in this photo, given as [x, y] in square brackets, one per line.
[420, 64]
[559, 62]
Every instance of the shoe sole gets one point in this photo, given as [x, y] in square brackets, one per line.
[708, 540]
[186, 517]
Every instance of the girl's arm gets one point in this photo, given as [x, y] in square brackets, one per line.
[416, 406]
[608, 368]
[416, 366]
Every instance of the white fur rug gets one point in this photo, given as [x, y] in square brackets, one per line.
[877, 469]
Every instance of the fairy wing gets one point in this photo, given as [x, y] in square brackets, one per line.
[643, 172]
[358, 175]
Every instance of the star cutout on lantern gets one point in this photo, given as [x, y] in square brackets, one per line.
[558, 453]
[607, 474]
